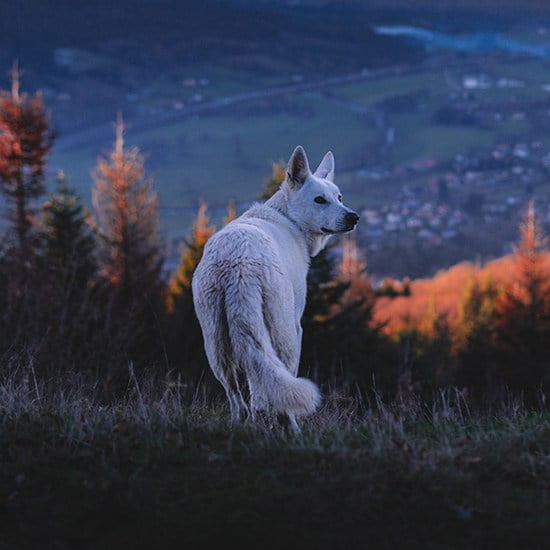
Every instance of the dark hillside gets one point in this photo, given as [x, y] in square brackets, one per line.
[165, 33]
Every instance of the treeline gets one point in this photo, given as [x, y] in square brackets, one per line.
[483, 328]
[86, 293]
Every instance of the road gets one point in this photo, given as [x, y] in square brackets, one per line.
[104, 132]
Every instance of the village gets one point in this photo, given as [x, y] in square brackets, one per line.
[481, 196]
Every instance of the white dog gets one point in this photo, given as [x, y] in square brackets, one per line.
[249, 290]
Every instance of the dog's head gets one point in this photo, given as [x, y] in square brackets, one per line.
[315, 202]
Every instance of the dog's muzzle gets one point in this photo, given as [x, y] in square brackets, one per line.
[351, 219]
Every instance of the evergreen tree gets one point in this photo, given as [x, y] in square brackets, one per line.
[523, 323]
[25, 142]
[429, 350]
[350, 332]
[180, 284]
[70, 243]
[473, 333]
[272, 184]
[185, 342]
[337, 325]
[131, 285]
[127, 214]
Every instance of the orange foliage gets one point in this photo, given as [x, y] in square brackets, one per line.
[126, 209]
[352, 269]
[442, 293]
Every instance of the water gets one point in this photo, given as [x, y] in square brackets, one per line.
[478, 42]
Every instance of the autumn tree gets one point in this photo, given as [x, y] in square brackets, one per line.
[344, 331]
[523, 324]
[185, 342]
[127, 220]
[25, 142]
[180, 284]
[273, 182]
[130, 260]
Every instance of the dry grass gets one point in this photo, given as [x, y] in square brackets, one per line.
[161, 466]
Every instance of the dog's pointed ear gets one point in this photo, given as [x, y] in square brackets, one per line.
[325, 170]
[297, 170]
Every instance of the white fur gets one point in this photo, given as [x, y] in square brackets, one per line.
[249, 291]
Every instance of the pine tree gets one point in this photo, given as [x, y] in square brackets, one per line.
[523, 324]
[431, 367]
[25, 142]
[352, 331]
[352, 269]
[185, 342]
[127, 214]
[180, 284]
[272, 184]
[472, 336]
[70, 243]
[336, 324]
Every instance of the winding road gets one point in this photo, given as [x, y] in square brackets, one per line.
[104, 131]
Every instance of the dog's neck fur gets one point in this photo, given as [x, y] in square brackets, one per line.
[315, 242]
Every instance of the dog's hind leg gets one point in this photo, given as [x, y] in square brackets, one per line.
[220, 355]
[225, 372]
[288, 422]
[237, 406]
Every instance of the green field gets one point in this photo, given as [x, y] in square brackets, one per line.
[371, 92]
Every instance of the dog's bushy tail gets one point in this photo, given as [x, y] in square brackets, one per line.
[284, 392]
[272, 385]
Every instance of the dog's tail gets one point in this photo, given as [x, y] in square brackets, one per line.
[272, 385]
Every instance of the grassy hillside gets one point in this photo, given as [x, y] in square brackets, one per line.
[225, 154]
[162, 468]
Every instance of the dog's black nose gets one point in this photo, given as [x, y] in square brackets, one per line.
[352, 218]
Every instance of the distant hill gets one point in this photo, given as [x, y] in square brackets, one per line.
[166, 32]
[436, 5]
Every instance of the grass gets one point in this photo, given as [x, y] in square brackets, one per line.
[162, 467]
[374, 91]
[417, 138]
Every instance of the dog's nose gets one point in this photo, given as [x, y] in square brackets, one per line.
[352, 218]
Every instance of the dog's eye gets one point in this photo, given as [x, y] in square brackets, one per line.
[320, 200]
[340, 198]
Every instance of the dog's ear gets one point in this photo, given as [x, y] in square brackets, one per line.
[297, 170]
[325, 170]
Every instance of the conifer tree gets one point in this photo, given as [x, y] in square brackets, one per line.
[180, 284]
[430, 366]
[25, 142]
[127, 220]
[185, 342]
[70, 243]
[130, 282]
[345, 330]
[272, 184]
[523, 325]
[473, 332]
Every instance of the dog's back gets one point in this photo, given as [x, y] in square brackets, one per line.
[249, 293]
